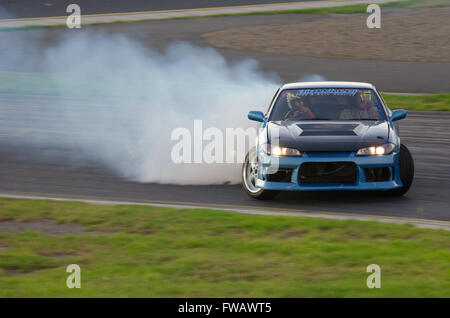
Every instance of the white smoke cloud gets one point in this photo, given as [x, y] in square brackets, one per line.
[117, 102]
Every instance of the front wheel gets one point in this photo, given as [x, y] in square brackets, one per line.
[250, 175]
[406, 166]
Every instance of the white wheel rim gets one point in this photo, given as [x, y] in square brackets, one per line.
[251, 173]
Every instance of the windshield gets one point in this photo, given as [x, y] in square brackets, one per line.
[327, 104]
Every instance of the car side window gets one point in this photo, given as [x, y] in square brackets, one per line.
[388, 110]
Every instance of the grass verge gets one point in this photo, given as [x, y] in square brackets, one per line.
[140, 251]
[346, 9]
[84, 86]
[430, 102]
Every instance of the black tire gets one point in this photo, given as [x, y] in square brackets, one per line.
[406, 165]
[259, 194]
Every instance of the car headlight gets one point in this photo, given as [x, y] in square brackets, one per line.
[376, 150]
[280, 151]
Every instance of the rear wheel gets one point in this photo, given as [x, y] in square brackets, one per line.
[250, 175]
[406, 166]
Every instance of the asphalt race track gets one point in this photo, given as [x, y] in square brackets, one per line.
[55, 172]
[50, 8]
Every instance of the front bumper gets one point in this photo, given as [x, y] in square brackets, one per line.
[267, 163]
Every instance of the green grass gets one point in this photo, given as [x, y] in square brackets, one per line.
[347, 9]
[417, 4]
[350, 9]
[439, 102]
[138, 251]
[73, 85]
[27, 83]
[84, 86]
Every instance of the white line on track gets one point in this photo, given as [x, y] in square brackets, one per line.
[422, 223]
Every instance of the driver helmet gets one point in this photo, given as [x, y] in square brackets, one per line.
[291, 98]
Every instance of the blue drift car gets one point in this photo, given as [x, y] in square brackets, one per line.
[327, 136]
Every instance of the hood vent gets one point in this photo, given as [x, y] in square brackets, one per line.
[328, 129]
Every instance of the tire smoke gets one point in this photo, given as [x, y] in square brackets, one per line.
[108, 99]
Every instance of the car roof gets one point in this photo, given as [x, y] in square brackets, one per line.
[327, 84]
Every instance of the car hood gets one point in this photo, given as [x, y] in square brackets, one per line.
[329, 135]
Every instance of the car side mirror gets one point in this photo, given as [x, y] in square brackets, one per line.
[256, 116]
[398, 114]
